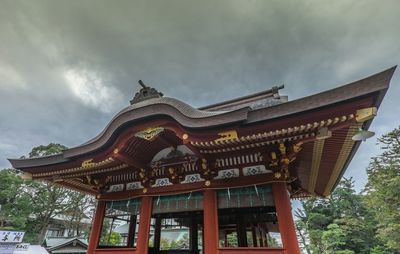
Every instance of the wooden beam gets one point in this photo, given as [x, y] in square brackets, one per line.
[184, 141]
[194, 244]
[342, 158]
[315, 163]
[96, 227]
[128, 160]
[241, 232]
[285, 218]
[210, 216]
[144, 225]
[197, 186]
[194, 150]
[157, 234]
[166, 141]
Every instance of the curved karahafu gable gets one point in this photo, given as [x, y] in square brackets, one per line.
[306, 142]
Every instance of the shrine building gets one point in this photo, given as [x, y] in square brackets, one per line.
[171, 178]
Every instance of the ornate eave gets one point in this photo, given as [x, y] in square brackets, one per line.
[306, 143]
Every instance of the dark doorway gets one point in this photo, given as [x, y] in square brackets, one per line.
[248, 227]
[176, 233]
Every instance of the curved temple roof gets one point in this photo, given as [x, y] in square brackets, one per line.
[238, 113]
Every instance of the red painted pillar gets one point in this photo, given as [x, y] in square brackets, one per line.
[144, 225]
[285, 218]
[210, 222]
[96, 226]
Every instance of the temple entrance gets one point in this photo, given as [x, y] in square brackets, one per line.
[247, 217]
[177, 224]
[248, 227]
[174, 233]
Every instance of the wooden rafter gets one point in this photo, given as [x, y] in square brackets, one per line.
[315, 164]
[342, 158]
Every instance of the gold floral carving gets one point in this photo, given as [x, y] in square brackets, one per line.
[227, 135]
[87, 163]
[149, 134]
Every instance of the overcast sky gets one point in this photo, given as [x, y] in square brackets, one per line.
[66, 67]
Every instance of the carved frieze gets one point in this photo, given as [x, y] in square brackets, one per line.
[227, 173]
[193, 178]
[255, 170]
[162, 182]
[116, 188]
[134, 186]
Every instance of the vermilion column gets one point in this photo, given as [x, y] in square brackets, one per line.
[210, 222]
[144, 225]
[96, 227]
[285, 218]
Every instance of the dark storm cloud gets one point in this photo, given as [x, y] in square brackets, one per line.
[66, 67]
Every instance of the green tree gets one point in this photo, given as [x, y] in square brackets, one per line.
[165, 244]
[301, 227]
[312, 220]
[15, 206]
[80, 208]
[272, 242]
[111, 239]
[334, 239]
[50, 149]
[50, 200]
[338, 224]
[184, 242]
[382, 192]
[32, 205]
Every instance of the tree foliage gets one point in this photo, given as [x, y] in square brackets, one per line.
[32, 205]
[113, 239]
[338, 224]
[15, 205]
[80, 207]
[182, 243]
[50, 149]
[382, 192]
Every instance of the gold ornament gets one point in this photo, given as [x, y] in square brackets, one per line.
[285, 161]
[149, 134]
[87, 163]
[282, 148]
[297, 147]
[227, 135]
[365, 114]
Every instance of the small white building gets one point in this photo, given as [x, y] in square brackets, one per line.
[32, 249]
[73, 245]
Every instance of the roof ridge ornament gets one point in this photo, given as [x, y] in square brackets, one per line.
[145, 93]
